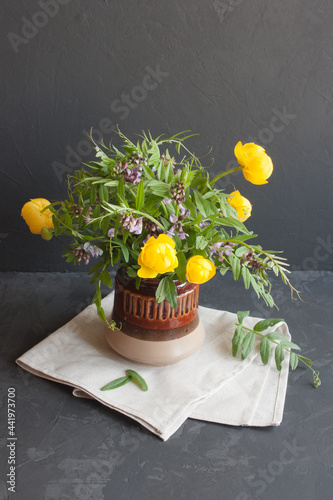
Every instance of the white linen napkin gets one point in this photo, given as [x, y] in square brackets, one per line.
[210, 385]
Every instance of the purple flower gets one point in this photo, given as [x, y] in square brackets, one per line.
[87, 216]
[94, 250]
[111, 233]
[152, 229]
[132, 224]
[87, 250]
[132, 175]
[177, 226]
[221, 248]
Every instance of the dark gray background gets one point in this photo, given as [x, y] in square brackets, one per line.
[230, 70]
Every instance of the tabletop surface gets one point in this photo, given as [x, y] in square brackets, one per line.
[68, 448]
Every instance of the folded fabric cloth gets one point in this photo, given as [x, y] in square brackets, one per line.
[210, 385]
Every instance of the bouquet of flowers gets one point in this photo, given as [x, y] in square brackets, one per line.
[153, 208]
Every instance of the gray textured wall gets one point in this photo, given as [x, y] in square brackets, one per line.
[229, 70]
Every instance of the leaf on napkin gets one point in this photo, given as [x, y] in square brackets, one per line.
[131, 376]
[118, 382]
[137, 379]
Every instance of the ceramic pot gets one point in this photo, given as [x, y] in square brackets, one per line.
[151, 333]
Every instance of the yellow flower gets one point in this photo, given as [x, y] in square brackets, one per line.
[242, 205]
[257, 165]
[157, 256]
[199, 270]
[31, 213]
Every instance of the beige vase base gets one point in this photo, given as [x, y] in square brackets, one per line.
[160, 353]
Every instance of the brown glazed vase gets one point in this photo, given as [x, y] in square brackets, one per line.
[154, 333]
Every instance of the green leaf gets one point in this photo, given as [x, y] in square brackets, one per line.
[237, 339]
[204, 206]
[248, 344]
[140, 196]
[137, 379]
[96, 267]
[122, 200]
[124, 250]
[148, 172]
[118, 382]
[56, 225]
[265, 350]
[93, 192]
[159, 188]
[276, 336]
[101, 313]
[307, 360]
[97, 298]
[235, 267]
[279, 356]
[169, 174]
[293, 361]
[246, 277]
[161, 290]
[181, 269]
[112, 183]
[266, 323]
[68, 221]
[106, 224]
[121, 190]
[171, 296]
[241, 315]
[200, 242]
[106, 278]
[131, 272]
[161, 171]
[226, 221]
[101, 193]
[289, 345]
[167, 290]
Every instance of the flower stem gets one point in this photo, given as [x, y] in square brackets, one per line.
[212, 182]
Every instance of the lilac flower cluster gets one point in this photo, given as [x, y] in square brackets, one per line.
[78, 211]
[87, 250]
[251, 259]
[152, 228]
[177, 225]
[129, 222]
[222, 248]
[166, 161]
[132, 175]
[177, 191]
[132, 224]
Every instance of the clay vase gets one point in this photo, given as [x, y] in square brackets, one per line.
[154, 333]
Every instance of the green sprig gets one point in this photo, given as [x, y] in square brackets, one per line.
[244, 340]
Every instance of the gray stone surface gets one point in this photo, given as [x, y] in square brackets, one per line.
[69, 449]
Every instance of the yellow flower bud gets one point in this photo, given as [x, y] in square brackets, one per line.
[199, 270]
[257, 165]
[31, 213]
[157, 256]
[242, 205]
